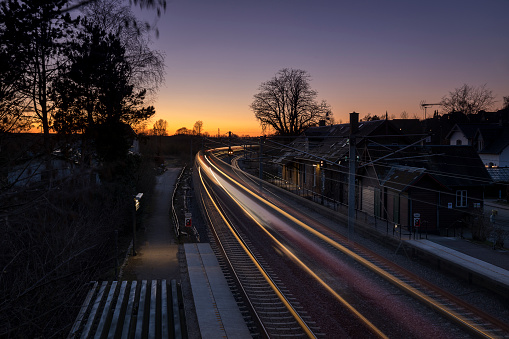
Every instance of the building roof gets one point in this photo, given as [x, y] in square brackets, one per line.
[332, 142]
[496, 139]
[451, 166]
[469, 130]
[399, 178]
[499, 174]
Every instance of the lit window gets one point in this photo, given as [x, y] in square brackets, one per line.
[461, 198]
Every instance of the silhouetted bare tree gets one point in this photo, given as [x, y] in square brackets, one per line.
[160, 127]
[158, 5]
[183, 130]
[197, 127]
[505, 104]
[369, 117]
[11, 100]
[287, 103]
[146, 64]
[468, 99]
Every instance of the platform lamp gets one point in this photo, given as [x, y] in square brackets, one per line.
[136, 201]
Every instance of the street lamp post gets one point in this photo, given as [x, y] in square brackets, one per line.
[136, 202]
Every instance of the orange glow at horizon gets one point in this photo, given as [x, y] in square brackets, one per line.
[187, 109]
[234, 116]
[213, 122]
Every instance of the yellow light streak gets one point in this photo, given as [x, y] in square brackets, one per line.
[352, 309]
[396, 281]
[258, 266]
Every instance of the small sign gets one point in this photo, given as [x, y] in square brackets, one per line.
[417, 219]
[449, 205]
[188, 220]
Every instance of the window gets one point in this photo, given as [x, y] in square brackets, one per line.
[480, 145]
[461, 198]
[458, 142]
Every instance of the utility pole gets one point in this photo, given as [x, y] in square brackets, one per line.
[354, 121]
[230, 152]
[322, 172]
[191, 152]
[260, 173]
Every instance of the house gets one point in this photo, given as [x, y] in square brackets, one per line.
[432, 187]
[399, 178]
[493, 145]
[24, 161]
[491, 141]
[316, 163]
[463, 134]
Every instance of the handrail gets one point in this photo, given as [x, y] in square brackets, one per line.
[176, 224]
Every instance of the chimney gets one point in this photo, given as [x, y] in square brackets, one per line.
[354, 123]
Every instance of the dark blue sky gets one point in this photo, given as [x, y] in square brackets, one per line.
[367, 56]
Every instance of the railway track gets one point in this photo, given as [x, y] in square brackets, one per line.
[478, 323]
[447, 304]
[466, 316]
[272, 311]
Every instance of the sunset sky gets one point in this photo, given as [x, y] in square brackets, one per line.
[363, 56]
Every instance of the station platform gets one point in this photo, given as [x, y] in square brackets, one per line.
[478, 264]
[217, 312]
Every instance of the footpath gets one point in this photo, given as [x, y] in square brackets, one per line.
[167, 290]
[209, 307]
[156, 248]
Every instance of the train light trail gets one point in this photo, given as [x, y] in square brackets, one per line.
[260, 268]
[443, 309]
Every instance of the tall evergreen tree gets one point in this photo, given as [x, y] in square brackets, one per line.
[95, 94]
[34, 33]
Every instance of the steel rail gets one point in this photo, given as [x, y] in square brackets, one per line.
[232, 270]
[309, 271]
[260, 268]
